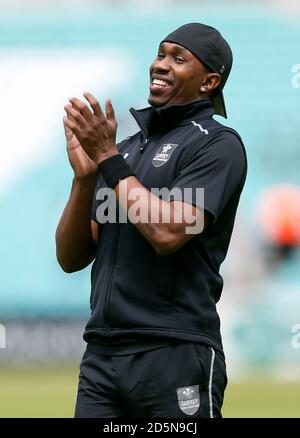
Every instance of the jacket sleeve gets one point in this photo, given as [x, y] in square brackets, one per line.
[219, 169]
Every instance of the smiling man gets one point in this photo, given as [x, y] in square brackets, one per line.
[154, 345]
[177, 76]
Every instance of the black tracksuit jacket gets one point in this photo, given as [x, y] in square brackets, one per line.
[135, 291]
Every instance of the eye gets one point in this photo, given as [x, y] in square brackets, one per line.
[160, 56]
[179, 60]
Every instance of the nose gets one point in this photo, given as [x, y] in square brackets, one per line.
[161, 66]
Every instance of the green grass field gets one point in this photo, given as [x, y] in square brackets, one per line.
[51, 393]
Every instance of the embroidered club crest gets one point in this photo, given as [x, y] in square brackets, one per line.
[189, 399]
[163, 154]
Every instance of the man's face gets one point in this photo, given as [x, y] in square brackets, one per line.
[176, 76]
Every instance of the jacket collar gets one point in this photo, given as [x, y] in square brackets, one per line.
[151, 119]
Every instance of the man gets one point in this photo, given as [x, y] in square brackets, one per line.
[154, 344]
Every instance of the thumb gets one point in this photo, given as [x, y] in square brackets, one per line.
[110, 113]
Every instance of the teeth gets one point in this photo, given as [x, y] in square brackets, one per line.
[160, 82]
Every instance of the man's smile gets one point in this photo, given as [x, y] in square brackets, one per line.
[159, 84]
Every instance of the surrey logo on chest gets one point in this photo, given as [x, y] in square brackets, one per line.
[163, 154]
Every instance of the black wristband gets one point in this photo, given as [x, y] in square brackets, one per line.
[113, 169]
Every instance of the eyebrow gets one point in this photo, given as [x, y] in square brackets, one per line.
[175, 48]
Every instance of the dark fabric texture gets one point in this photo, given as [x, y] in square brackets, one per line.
[114, 169]
[146, 384]
[120, 345]
[138, 294]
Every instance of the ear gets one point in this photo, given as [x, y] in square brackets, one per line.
[211, 81]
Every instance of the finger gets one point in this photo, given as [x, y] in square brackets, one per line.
[71, 118]
[110, 112]
[75, 115]
[81, 107]
[69, 124]
[66, 127]
[68, 131]
[94, 104]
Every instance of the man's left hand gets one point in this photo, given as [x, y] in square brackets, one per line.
[95, 131]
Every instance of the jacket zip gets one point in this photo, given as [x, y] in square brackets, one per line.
[114, 257]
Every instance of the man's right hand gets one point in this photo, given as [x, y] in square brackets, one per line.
[82, 165]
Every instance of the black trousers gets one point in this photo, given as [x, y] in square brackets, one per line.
[181, 380]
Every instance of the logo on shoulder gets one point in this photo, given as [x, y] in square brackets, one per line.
[163, 154]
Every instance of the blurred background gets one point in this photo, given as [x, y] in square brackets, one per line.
[51, 50]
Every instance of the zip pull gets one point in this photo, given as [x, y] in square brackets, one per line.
[142, 147]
